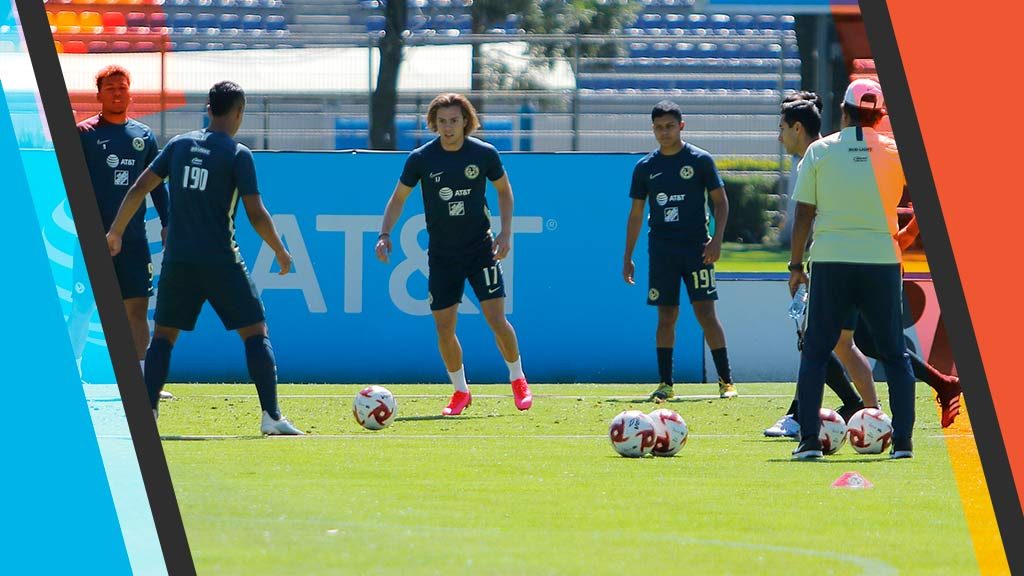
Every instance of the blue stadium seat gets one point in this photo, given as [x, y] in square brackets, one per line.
[189, 46]
[464, 22]
[178, 3]
[252, 22]
[207, 24]
[276, 23]
[767, 22]
[648, 21]
[182, 23]
[675, 21]
[227, 3]
[375, 22]
[696, 21]
[351, 133]
[214, 46]
[720, 21]
[230, 23]
[743, 21]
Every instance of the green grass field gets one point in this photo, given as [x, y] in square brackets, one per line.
[497, 491]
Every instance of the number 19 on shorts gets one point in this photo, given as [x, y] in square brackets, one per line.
[703, 278]
[195, 178]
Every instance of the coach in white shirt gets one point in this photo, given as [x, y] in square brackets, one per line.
[848, 187]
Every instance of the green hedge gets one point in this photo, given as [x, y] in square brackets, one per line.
[751, 164]
[752, 204]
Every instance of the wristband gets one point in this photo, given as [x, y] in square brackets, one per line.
[795, 267]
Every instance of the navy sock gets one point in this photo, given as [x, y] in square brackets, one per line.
[836, 379]
[792, 409]
[665, 365]
[259, 356]
[721, 358]
[158, 363]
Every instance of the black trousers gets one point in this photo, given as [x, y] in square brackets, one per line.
[837, 290]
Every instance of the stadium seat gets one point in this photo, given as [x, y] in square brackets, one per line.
[158, 23]
[178, 3]
[67, 22]
[189, 46]
[214, 46]
[120, 46]
[252, 23]
[57, 44]
[90, 23]
[375, 22]
[144, 46]
[230, 22]
[114, 23]
[766, 22]
[227, 4]
[136, 22]
[206, 24]
[183, 23]
[96, 46]
[8, 46]
[75, 47]
[276, 23]
[719, 21]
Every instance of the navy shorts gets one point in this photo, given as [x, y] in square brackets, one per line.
[134, 269]
[183, 289]
[446, 280]
[671, 264]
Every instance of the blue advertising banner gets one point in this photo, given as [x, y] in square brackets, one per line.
[343, 316]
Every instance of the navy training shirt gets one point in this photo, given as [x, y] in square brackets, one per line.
[208, 171]
[116, 155]
[676, 189]
[454, 187]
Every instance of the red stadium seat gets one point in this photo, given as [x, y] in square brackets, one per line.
[120, 46]
[145, 46]
[97, 46]
[75, 47]
[114, 23]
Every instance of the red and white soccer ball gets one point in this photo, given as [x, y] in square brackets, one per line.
[870, 431]
[670, 432]
[632, 434]
[833, 431]
[374, 408]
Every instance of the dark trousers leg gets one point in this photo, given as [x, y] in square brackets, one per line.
[880, 300]
[829, 304]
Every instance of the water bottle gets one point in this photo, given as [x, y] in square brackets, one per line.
[799, 304]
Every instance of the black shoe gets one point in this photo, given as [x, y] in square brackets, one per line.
[808, 449]
[902, 449]
[846, 411]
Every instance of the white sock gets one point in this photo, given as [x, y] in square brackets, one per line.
[458, 379]
[142, 366]
[515, 369]
[78, 362]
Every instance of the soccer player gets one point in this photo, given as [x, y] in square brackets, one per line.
[799, 127]
[848, 187]
[208, 171]
[677, 179]
[451, 171]
[117, 149]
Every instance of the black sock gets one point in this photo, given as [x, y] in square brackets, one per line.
[792, 409]
[158, 363]
[721, 358]
[665, 365]
[259, 355]
[925, 372]
[836, 379]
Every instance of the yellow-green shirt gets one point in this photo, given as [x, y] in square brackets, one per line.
[855, 181]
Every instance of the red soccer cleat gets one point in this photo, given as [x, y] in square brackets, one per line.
[521, 393]
[459, 402]
[949, 400]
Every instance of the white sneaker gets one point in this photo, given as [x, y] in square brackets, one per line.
[282, 427]
[786, 426]
[165, 395]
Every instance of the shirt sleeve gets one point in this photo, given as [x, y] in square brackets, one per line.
[159, 165]
[806, 190]
[245, 172]
[411, 173]
[495, 169]
[159, 194]
[712, 179]
[638, 188]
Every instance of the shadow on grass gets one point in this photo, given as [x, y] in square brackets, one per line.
[448, 418]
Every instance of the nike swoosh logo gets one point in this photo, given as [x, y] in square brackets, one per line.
[712, 291]
[653, 176]
[493, 290]
[102, 142]
[432, 175]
